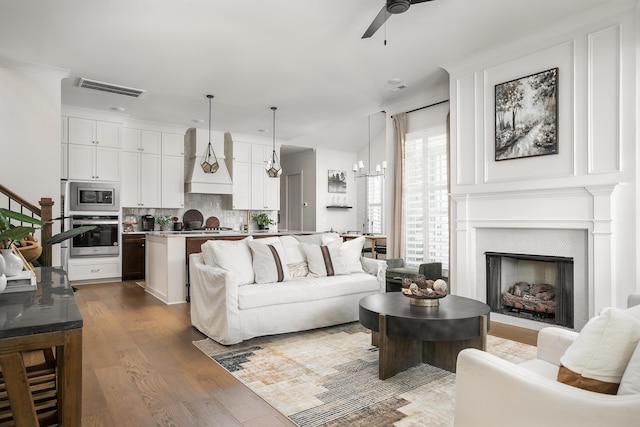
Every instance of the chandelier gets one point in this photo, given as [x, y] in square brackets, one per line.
[358, 169]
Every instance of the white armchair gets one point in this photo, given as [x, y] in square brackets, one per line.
[491, 391]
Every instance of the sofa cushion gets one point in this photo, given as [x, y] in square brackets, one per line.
[324, 260]
[316, 239]
[597, 359]
[351, 252]
[305, 289]
[230, 255]
[296, 260]
[269, 262]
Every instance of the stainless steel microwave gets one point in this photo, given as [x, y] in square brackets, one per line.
[94, 196]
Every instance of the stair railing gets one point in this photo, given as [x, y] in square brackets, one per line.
[44, 213]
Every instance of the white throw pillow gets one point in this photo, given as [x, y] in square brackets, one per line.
[230, 255]
[296, 260]
[351, 252]
[324, 260]
[316, 239]
[598, 357]
[269, 262]
[630, 383]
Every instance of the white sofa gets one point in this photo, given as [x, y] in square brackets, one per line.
[492, 391]
[229, 307]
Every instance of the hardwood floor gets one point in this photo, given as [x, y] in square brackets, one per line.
[140, 367]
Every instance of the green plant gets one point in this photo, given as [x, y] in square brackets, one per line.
[10, 233]
[262, 219]
[163, 221]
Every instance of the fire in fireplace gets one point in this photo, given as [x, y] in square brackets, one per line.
[536, 287]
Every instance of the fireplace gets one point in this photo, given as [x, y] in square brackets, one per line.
[535, 287]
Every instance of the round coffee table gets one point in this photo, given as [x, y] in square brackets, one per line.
[407, 335]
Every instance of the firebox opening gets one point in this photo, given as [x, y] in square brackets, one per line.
[535, 287]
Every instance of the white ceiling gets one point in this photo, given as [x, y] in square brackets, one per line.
[304, 56]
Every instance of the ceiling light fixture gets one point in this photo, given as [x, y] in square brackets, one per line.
[358, 169]
[274, 170]
[209, 161]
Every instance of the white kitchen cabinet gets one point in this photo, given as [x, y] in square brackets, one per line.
[265, 191]
[93, 163]
[252, 188]
[94, 268]
[144, 141]
[93, 132]
[172, 144]
[241, 195]
[141, 180]
[172, 182]
[242, 152]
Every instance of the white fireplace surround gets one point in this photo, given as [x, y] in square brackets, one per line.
[571, 222]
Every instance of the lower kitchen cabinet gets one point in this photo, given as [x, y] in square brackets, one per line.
[133, 253]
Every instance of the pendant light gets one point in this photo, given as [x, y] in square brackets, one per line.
[358, 169]
[209, 162]
[273, 168]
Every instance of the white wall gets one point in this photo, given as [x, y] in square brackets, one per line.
[336, 219]
[30, 130]
[596, 164]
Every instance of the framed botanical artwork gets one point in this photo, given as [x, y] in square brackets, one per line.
[337, 181]
[527, 116]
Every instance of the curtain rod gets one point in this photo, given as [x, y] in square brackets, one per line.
[426, 106]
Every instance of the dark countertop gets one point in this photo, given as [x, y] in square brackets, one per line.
[51, 307]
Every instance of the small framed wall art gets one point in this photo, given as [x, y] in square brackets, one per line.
[526, 116]
[337, 181]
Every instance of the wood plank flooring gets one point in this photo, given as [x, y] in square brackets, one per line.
[140, 367]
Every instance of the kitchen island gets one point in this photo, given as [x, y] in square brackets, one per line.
[167, 255]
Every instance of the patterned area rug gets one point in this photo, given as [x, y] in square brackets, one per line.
[329, 377]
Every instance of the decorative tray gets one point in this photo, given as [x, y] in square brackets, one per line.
[21, 282]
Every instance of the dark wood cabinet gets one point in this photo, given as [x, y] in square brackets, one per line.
[133, 256]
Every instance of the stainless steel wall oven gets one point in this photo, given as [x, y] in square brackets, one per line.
[103, 240]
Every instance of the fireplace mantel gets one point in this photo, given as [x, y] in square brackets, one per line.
[586, 208]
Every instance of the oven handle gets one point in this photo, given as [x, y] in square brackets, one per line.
[93, 222]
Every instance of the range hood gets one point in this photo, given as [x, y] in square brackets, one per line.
[195, 180]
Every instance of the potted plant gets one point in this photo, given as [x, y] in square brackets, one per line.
[11, 234]
[163, 221]
[262, 220]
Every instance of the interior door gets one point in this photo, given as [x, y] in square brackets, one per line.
[294, 201]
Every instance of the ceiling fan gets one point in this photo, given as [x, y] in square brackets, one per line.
[391, 7]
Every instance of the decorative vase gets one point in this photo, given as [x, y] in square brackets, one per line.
[3, 278]
[13, 263]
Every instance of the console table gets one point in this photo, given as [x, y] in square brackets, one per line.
[46, 320]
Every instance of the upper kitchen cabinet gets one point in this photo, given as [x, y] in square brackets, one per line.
[93, 149]
[172, 182]
[172, 144]
[252, 188]
[141, 179]
[93, 163]
[94, 132]
[143, 141]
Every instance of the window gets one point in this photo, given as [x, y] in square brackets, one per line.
[426, 198]
[374, 204]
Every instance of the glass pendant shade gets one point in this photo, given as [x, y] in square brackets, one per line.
[209, 162]
[273, 167]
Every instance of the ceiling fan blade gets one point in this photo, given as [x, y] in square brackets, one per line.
[383, 15]
[419, 1]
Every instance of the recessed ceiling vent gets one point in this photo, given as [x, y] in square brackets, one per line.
[108, 87]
